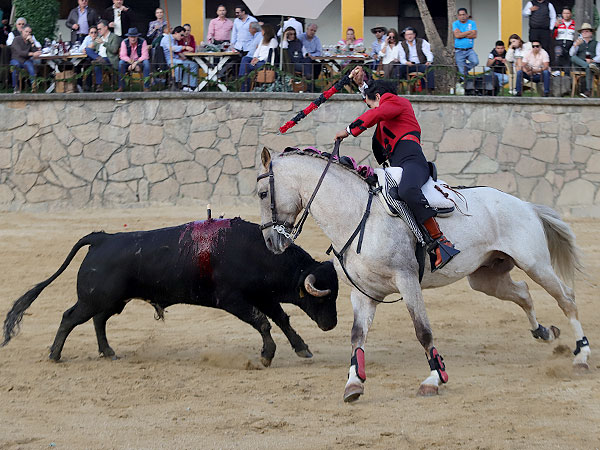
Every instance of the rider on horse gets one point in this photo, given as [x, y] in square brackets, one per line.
[397, 142]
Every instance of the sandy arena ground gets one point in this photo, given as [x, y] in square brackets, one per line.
[195, 381]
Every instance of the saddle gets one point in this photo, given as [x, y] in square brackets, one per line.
[438, 193]
[440, 196]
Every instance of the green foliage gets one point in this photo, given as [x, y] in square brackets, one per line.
[40, 14]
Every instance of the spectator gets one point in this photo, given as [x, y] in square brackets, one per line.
[310, 41]
[80, 19]
[23, 50]
[188, 38]
[389, 53]
[312, 45]
[257, 37]
[259, 59]
[542, 17]
[219, 28]
[564, 35]
[535, 67]
[379, 31]
[415, 56]
[19, 25]
[585, 53]
[514, 57]
[296, 51]
[351, 44]
[465, 33]
[88, 42]
[104, 52]
[497, 62]
[291, 22]
[133, 54]
[119, 17]
[241, 38]
[169, 44]
[155, 28]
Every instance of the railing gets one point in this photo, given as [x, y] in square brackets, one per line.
[311, 77]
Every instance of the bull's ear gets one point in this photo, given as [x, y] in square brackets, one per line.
[265, 157]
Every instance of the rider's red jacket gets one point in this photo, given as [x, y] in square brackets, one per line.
[395, 119]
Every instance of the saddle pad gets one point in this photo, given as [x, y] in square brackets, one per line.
[435, 198]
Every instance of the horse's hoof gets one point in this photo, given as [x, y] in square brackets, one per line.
[582, 366]
[352, 392]
[304, 353]
[427, 390]
[265, 361]
[555, 330]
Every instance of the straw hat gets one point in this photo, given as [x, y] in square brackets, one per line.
[586, 26]
[378, 27]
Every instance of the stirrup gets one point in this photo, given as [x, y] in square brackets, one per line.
[447, 252]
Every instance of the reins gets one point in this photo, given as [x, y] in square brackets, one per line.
[295, 230]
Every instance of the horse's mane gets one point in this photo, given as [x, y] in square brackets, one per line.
[314, 154]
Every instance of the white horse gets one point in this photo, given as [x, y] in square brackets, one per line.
[499, 232]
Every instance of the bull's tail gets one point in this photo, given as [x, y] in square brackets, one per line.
[15, 315]
[564, 253]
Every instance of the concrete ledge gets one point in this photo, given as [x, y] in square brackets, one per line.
[257, 96]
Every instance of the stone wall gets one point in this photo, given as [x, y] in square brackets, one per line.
[74, 151]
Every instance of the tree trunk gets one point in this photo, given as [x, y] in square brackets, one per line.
[443, 55]
[583, 12]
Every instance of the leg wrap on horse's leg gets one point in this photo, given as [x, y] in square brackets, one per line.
[580, 344]
[436, 362]
[358, 362]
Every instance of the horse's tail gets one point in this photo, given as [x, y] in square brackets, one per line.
[564, 253]
[15, 315]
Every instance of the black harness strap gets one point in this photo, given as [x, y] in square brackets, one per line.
[359, 229]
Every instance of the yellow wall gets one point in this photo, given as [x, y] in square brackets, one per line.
[192, 12]
[352, 16]
[511, 19]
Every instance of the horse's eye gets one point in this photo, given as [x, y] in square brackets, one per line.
[262, 195]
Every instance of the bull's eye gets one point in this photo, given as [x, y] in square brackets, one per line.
[262, 195]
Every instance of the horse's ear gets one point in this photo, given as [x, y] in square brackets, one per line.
[265, 157]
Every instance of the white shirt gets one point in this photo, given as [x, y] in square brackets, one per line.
[292, 22]
[102, 48]
[527, 12]
[262, 51]
[412, 50]
[117, 20]
[390, 54]
[11, 38]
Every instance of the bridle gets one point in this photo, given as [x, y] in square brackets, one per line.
[287, 229]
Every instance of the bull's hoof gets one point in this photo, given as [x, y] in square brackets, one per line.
[304, 353]
[54, 358]
[265, 361]
[352, 392]
[427, 390]
[109, 353]
[555, 330]
[581, 367]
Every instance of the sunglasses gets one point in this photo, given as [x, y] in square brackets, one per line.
[536, 46]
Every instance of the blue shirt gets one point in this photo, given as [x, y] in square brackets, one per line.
[462, 27]
[164, 43]
[255, 43]
[84, 27]
[312, 46]
[241, 38]
[376, 47]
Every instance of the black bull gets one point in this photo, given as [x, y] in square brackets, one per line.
[221, 263]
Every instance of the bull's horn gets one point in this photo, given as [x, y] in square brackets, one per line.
[309, 286]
